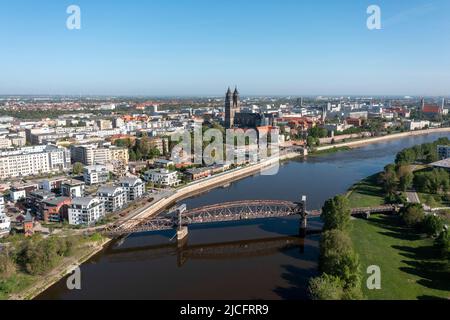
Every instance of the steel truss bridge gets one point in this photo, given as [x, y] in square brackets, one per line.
[230, 211]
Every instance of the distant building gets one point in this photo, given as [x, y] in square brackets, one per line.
[33, 161]
[443, 152]
[434, 109]
[5, 222]
[416, 125]
[198, 173]
[113, 197]
[17, 194]
[28, 224]
[163, 163]
[96, 174]
[104, 124]
[162, 177]
[86, 211]
[73, 188]
[232, 106]
[52, 185]
[134, 187]
[55, 210]
[92, 154]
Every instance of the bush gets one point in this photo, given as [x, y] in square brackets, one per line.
[413, 215]
[7, 265]
[432, 225]
[442, 243]
[326, 287]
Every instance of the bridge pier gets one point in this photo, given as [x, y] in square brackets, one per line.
[303, 217]
[303, 226]
[182, 234]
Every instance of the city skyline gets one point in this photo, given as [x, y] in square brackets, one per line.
[298, 49]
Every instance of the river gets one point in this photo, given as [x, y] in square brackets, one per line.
[259, 259]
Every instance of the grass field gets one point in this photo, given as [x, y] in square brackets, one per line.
[409, 268]
[366, 193]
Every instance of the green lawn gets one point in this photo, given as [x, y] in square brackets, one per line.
[14, 284]
[409, 269]
[366, 193]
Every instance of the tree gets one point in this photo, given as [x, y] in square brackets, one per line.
[7, 265]
[338, 258]
[132, 155]
[77, 168]
[432, 225]
[143, 146]
[326, 287]
[442, 243]
[336, 213]
[406, 178]
[389, 179]
[413, 215]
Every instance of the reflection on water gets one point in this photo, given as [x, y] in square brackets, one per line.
[260, 259]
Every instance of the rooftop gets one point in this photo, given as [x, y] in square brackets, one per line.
[442, 164]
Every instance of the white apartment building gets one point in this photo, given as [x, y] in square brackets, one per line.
[134, 187]
[95, 174]
[162, 177]
[114, 198]
[5, 223]
[33, 161]
[86, 211]
[73, 188]
[416, 125]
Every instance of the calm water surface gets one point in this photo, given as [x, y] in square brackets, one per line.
[261, 259]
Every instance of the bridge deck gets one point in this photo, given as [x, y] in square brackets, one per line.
[231, 211]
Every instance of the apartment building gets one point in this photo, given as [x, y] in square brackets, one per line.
[133, 186]
[92, 154]
[162, 177]
[86, 211]
[95, 174]
[114, 198]
[73, 188]
[34, 161]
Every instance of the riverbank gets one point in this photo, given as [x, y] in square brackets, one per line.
[208, 184]
[42, 283]
[367, 141]
[411, 267]
[237, 174]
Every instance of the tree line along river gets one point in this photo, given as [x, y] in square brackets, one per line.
[260, 259]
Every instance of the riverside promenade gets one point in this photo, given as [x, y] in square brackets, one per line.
[366, 141]
[207, 184]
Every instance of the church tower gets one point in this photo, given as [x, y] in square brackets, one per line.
[232, 106]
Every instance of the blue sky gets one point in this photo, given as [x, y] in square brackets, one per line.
[199, 47]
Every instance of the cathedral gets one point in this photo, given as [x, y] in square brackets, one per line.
[234, 118]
